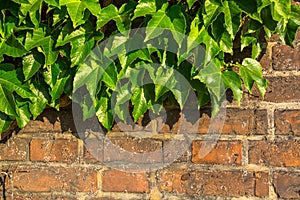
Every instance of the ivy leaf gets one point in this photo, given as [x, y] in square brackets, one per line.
[139, 102]
[104, 113]
[12, 47]
[38, 39]
[80, 50]
[108, 13]
[31, 64]
[246, 40]
[232, 17]
[292, 26]
[211, 76]
[173, 19]
[37, 105]
[23, 114]
[76, 9]
[144, 7]
[56, 77]
[10, 83]
[251, 72]
[232, 80]
[191, 3]
[5, 122]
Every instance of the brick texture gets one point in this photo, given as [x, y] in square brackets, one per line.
[14, 149]
[287, 122]
[46, 179]
[221, 153]
[53, 150]
[118, 181]
[281, 89]
[279, 153]
[227, 183]
[287, 185]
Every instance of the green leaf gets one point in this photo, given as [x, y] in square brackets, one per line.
[80, 50]
[211, 76]
[12, 47]
[251, 72]
[37, 105]
[5, 122]
[7, 101]
[139, 102]
[39, 39]
[246, 41]
[108, 13]
[173, 19]
[23, 114]
[232, 80]
[10, 83]
[10, 80]
[76, 9]
[191, 3]
[31, 64]
[144, 7]
[104, 113]
[232, 17]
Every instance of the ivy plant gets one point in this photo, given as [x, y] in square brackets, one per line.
[44, 45]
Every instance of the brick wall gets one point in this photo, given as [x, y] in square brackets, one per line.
[256, 157]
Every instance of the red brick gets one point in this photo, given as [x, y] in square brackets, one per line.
[260, 122]
[133, 150]
[287, 185]
[281, 89]
[278, 153]
[93, 150]
[261, 184]
[14, 149]
[287, 122]
[176, 151]
[198, 183]
[64, 150]
[238, 121]
[286, 58]
[119, 181]
[46, 179]
[223, 152]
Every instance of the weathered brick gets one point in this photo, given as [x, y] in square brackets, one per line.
[261, 184]
[133, 150]
[14, 149]
[176, 151]
[29, 196]
[238, 121]
[286, 58]
[119, 181]
[281, 89]
[260, 122]
[223, 152]
[197, 183]
[93, 150]
[287, 122]
[278, 153]
[46, 179]
[45, 149]
[287, 185]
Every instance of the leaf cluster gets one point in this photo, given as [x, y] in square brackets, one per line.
[44, 45]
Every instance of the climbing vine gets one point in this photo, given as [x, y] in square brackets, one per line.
[44, 45]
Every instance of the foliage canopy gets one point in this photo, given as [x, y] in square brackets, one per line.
[43, 45]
